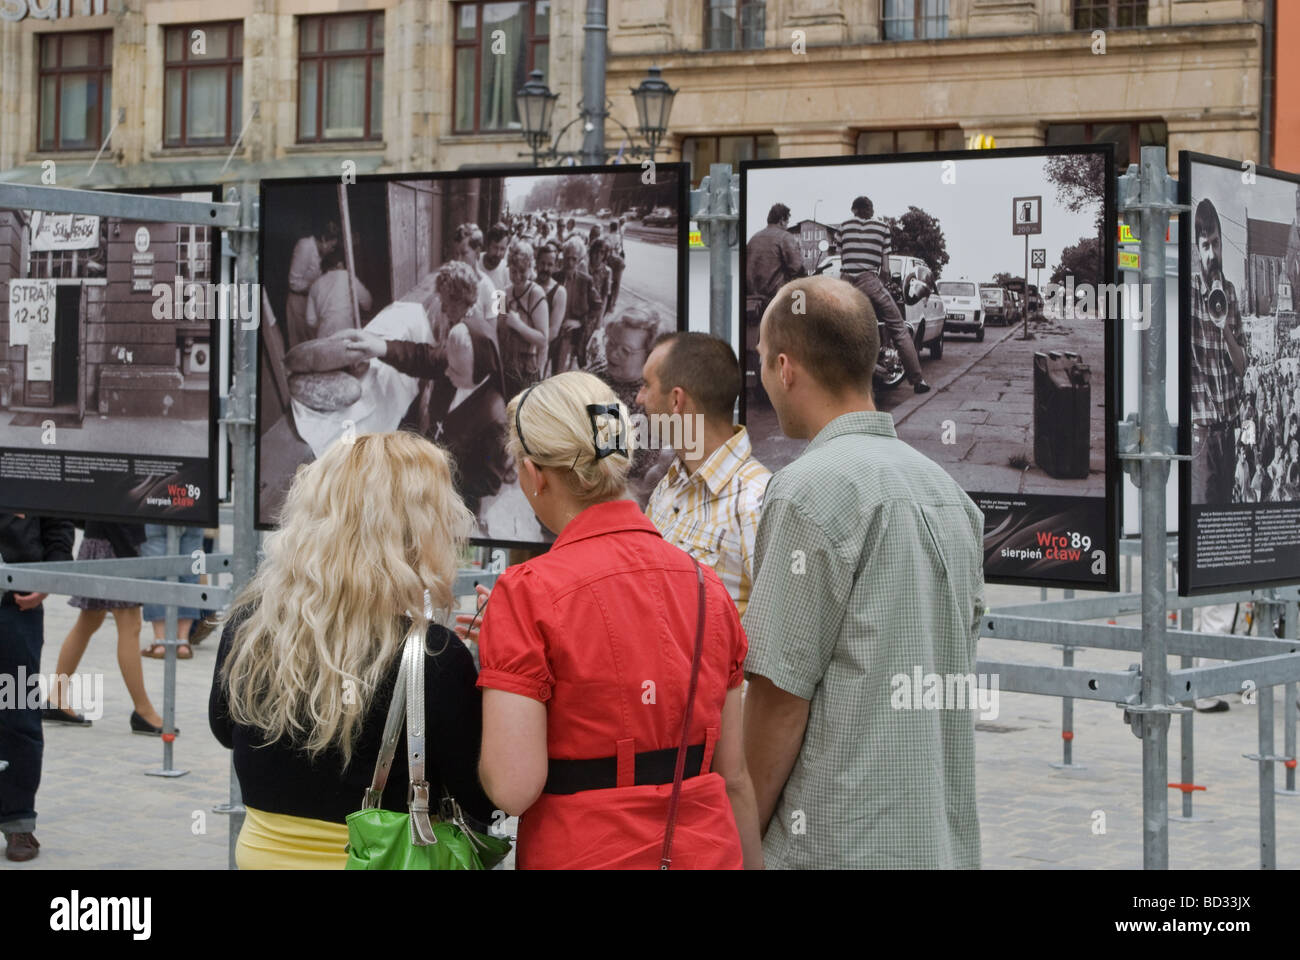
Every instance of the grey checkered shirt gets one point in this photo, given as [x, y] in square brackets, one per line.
[869, 565]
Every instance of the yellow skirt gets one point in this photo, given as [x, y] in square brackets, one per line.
[277, 841]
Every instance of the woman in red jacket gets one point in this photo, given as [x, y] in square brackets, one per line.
[586, 656]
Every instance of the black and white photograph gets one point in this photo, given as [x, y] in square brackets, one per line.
[426, 302]
[999, 370]
[107, 392]
[1241, 387]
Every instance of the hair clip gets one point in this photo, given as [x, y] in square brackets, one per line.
[595, 410]
[519, 430]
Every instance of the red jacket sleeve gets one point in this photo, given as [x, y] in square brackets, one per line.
[512, 639]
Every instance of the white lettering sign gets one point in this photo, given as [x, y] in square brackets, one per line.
[64, 231]
[30, 302]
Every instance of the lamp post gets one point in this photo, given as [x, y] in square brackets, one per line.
[536, 105]
[654, 102]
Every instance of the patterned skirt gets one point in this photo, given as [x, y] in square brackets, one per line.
[92, 548]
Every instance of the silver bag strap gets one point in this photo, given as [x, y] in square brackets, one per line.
[407, 705]
[392, 730]
[418, 794]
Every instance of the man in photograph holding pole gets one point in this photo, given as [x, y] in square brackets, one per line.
[864, 262]
[1218, 364]
[869, 567]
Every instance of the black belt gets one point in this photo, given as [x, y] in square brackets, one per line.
[1221, 427]
[655, 766]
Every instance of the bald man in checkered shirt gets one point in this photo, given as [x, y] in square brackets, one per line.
[708, 502]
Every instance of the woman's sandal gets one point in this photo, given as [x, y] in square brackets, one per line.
[183, 652]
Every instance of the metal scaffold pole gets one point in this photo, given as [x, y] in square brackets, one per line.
[715, 206]
[1148, 194]
[241, 422]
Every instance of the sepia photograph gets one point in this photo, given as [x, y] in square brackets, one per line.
[107, 387]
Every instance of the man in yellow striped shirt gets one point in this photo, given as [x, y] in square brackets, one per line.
[709, 501]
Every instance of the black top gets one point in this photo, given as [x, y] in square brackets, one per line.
[281, 778]
[31, 539]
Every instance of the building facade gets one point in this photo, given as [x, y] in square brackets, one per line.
[100, 93]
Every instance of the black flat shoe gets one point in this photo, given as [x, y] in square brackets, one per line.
[146, 729]
[55, 715]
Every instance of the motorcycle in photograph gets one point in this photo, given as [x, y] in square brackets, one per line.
[914, 288]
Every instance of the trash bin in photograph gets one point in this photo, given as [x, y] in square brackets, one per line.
[1062, 407]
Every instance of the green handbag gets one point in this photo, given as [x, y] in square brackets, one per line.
[387, 840]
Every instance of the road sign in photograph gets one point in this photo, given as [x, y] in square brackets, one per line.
[1026, 216]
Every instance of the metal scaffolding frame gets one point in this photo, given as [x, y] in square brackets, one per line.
[126, 579]
[1149, 693]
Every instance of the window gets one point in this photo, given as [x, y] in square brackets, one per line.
[873, 142]
[497, 45]
[341, 77]
[915, 19]
[1129, 138]
[1090, 14]
[700, 152]
[203, 86]
[734, 24]
[193, 252]
[75, 90]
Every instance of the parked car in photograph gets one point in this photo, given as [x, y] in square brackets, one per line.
[603, 213]
[996, 303]
[580, 212]
[911, 283]
[1017, 312]
[661, 217]
[963, 312]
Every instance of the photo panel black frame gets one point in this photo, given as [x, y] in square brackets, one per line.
[1111, 385]
[681, 171]
[206, 511]
[1189, 584]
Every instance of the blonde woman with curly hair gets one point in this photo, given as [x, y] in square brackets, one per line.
[586, 656]
[309, 655]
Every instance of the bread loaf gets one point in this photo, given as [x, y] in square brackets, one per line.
[325, 392]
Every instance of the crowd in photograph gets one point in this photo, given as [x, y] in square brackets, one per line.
[523, 298]
[1268, 451]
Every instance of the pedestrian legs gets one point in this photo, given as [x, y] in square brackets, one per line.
[22, 742]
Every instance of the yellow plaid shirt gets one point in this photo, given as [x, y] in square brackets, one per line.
[713, 513]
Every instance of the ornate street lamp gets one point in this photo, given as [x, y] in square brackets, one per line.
[536, 104]
[654, 102]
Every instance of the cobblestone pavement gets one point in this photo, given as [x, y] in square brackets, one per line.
[98, 809]
[987, 396]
